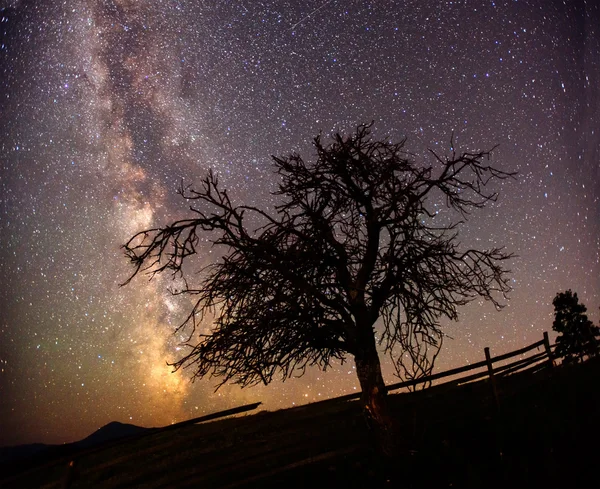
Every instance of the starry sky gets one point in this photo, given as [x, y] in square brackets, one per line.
[106, 105]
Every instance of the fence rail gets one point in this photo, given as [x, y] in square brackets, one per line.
[488, 362]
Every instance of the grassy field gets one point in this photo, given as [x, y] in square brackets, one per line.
[542, 435]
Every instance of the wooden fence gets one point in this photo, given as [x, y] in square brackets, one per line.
[533, 363]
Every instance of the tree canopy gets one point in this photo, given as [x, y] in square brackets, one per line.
[355, 237]
[578, 336]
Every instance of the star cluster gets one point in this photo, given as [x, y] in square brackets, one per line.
[107, 105]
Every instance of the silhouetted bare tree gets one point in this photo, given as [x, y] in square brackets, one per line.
[354, 238]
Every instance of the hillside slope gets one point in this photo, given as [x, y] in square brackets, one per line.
[456, 436]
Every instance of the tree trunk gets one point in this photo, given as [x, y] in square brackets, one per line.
[395, 458]
[374, 394]
[368, 370]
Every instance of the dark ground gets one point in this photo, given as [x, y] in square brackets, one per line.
[542, 435]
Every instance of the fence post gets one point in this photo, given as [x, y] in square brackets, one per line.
[548, 349]
[490, 367]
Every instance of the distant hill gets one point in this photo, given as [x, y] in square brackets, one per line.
[111, 431]
[16, 458]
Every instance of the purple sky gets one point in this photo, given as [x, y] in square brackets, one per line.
[106, 105]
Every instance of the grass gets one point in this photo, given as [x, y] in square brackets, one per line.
[452, 437]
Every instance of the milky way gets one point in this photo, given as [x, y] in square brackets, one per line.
[106, 106]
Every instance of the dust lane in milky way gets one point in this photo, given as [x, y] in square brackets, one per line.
[106, 106]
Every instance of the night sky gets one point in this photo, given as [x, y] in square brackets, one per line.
[106, 105]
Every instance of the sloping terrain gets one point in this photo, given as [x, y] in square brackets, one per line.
[450, 436]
